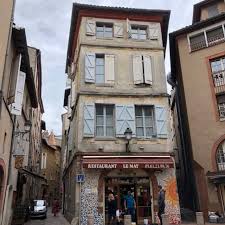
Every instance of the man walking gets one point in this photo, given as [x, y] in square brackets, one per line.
[130, 205]
[161, 203]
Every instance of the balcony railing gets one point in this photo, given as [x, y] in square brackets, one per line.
[221, 166]
[198, 45]
[221, 107]
[219, 82]
[216, 39]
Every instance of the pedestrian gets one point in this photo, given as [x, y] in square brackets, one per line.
[161, 203]
[55, 207]
[112, 207]
[130, 205]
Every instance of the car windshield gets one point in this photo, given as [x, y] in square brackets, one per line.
[39, 203]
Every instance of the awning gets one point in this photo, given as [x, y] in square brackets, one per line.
[127, 162]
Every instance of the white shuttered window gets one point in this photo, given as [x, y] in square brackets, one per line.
[118, 30]
[16, 107]
[142, 69]
[90, 28]
[99, 68]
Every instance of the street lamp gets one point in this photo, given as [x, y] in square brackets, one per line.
[128, 135]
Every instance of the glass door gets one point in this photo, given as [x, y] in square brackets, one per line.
[144, 204]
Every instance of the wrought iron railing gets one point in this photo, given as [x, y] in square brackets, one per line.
[215, 39]
[221, 107]
[219, 82]
[198, 45]
[221, 166]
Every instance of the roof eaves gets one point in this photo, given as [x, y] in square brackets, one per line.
[185, 30]
[77, 7]
[197, 10]
[19, 37]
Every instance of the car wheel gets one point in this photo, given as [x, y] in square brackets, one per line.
[45, 216]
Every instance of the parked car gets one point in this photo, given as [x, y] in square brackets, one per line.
[38, 209]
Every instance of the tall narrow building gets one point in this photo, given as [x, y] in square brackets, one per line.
[198, 77]
[118, 137]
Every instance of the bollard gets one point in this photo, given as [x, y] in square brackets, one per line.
[200, 218]
[165, 219]
[90, 219]
[127, 219]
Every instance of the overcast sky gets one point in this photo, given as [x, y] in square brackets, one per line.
[47, 28]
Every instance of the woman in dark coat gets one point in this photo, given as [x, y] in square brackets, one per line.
[55, 207]
[112, 207]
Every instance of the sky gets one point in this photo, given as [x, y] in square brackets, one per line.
[47, 24]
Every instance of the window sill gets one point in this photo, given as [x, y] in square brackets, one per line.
[104, 85]
[104, 38]
[146, 139]
[105, 139]
[142, 85]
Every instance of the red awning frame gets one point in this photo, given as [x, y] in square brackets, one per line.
[127, 162]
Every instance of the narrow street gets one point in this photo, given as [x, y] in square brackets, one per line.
[51, 220]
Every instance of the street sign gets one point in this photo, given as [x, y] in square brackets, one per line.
[80, 178]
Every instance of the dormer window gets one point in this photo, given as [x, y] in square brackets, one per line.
[213, 10]
[138, 32]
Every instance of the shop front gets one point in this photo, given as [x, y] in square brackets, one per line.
[118, 175]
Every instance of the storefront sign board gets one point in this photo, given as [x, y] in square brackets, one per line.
[127, 166]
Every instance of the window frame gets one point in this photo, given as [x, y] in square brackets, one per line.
[104, 121]
[104, 25]
[139, 27]
[99, 55]
[205, 30]
[143, 108]
[220, 158]
[220, 59]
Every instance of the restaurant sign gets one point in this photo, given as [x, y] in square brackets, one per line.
[127, 165]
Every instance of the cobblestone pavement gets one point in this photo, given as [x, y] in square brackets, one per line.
[51, 220]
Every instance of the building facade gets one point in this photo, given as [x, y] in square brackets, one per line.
[50, 168]
[6, 124]
[115, 62]
[197, 65]
[18, 97]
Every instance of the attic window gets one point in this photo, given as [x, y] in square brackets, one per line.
[197, 42]
[215, 35]
[213, 10]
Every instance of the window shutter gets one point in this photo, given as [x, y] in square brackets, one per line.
[118, 30]
[90, 28]
[90, 67]
[137, 69]
[16, 107]
[73, 93]
[153, 33]
[125, 118]
[161, 121]
[109, 69]
[89, 115]
[148, 69]
[69, 106]
[13, 78]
